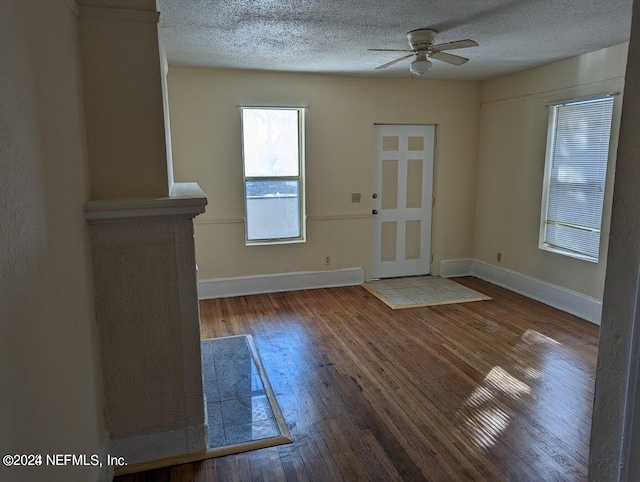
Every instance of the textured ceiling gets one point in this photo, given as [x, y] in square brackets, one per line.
[332, 36]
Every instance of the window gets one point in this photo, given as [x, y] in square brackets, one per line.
[273, 158]
[575, 175]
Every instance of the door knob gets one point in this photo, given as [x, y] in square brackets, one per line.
[374, 195]
[375, 211]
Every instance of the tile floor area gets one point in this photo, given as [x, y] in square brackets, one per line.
[238, 408]
[417, 291]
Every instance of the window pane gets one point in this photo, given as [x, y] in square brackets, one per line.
[578, 158]
[273, 209]
[270, 142]
[577, 240]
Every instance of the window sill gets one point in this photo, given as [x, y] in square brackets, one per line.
[570, 254]
[269, 242]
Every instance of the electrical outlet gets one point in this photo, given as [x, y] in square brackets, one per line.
[499, 258]
[327, 260]
[355, 197]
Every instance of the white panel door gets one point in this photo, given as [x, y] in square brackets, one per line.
[403, 190]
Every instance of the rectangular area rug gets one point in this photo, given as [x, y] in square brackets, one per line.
[416, 291]
[242, 410]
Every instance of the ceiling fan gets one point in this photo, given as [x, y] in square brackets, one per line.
[421, 43]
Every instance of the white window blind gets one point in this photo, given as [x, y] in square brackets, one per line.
[577, 155]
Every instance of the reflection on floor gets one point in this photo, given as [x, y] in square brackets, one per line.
[414, 291]
[238, 408]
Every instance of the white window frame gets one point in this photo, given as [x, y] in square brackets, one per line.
[300, 178]
[551, 137]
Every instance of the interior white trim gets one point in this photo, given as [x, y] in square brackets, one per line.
[273, 283]
[219, 221]
[159, 445]
[592, 87]
[186, 200]
[327, 217]
[450, 268]
[564, 299]
[336, 217]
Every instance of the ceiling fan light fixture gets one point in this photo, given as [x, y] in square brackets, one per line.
[423, 49]
[420, 67]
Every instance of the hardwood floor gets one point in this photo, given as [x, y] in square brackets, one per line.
[492, 390]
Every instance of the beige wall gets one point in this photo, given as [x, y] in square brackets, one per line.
[122, 82]
[339, 130]
[513, 130]
[50, 390]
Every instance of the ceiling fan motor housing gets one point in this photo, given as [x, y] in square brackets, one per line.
[421, 39]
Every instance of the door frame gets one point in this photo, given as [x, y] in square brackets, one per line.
[423, 265]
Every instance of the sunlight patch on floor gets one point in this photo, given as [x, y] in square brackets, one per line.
[485, 425]
[479, 396]
[533, 337]
[500, 379]
[484, 418]
[529, 372]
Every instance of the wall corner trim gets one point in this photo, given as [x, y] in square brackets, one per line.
[578, 304]
[186, 200]
[273, 283]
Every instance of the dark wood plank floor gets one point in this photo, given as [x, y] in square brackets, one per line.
[492, 390]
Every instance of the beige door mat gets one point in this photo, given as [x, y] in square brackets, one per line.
[416, 291]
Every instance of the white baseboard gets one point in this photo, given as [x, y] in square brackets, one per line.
[272, 283]
[564, 299]
[450, 268]
[159, 445]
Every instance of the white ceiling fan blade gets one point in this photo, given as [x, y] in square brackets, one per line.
[458, 44]
[389, 50]
[389, 64]
[449, 58]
